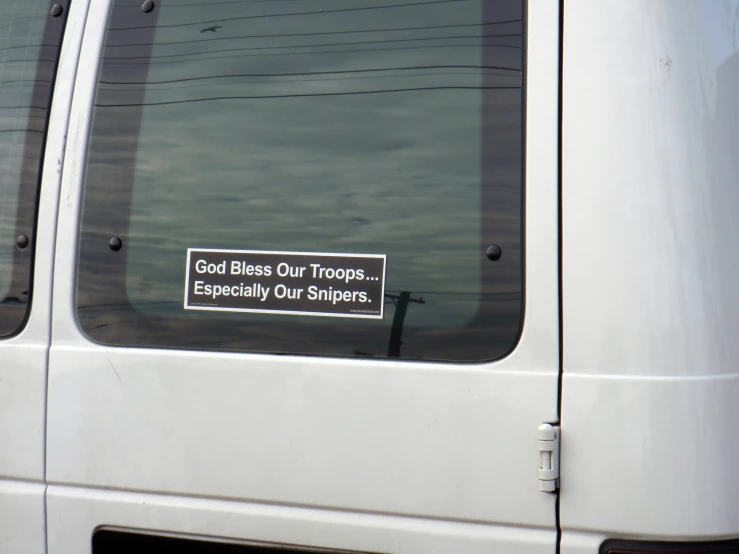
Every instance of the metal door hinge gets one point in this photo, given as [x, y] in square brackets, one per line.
[548, 457]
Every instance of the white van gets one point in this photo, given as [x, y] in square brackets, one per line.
[283, 276]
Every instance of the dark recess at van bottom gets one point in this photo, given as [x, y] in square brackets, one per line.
[120, 542]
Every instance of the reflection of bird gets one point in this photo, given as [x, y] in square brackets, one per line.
[213, 29]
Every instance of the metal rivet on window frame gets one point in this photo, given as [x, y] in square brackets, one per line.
[115, 244]
[147, 6]
[493, 252]
[56, 10]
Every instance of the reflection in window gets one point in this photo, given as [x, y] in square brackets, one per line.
[29, 46]
[387, 127]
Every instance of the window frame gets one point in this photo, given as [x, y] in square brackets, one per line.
[96, 324]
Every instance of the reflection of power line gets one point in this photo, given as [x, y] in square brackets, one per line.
[26, 82]
[328, 80]
[294, 46]
[266, 16]
[7, 84]
[502, 295]
[290, 35]
[20, 131]
[31, 61]
[24, 108]
[109, 63]
[29, 46]
[311, 73]
[401, 302]
[168, 5]
[353, 93]
[283, 35]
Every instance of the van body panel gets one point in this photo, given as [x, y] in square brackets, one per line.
[425, 457]
[23, 522]
[655, 455]
[389, 445]
[580, 542]
[286, 525]
[651, 314]
[300, 431]
[650, 135]
[24, 357]
[23, 411]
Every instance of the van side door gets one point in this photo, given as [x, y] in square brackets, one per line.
[301, 297]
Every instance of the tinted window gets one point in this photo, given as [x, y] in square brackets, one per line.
[29, 46]
[387, 127]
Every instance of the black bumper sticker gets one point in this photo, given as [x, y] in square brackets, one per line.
[298, 283]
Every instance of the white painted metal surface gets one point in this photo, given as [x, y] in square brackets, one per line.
[651, 309]
[277, 524]
[429, 442]
[23, 368]
[578, 542]
[432, 458]
[23, 358]
[22, 522]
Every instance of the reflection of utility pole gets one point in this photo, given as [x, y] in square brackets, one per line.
[401, 307]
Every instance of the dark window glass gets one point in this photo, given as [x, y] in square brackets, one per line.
[30, 37]
[368, 127]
